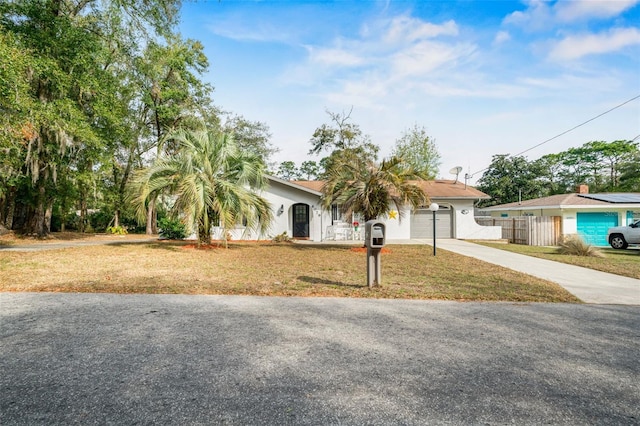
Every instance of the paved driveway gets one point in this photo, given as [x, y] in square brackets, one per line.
[167, 359]
[587, 284]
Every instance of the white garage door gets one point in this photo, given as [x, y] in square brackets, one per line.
[422, 223]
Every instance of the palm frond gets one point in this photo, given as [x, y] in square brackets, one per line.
[364, 187]
[210, 179]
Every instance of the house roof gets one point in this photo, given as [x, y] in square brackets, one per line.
[450, 189]
[440, 189]
[561, 201]
[315, 185]
[297, 185]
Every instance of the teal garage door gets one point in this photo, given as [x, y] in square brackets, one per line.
[593, 226]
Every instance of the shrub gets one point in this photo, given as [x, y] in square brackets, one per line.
[172, 229]
[71, 222]
[282, 238]
[575, 246]
[101, 220]
[117, 230]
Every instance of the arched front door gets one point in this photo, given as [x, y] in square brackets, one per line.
[300, 221]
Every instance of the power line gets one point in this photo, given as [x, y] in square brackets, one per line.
[567, 131]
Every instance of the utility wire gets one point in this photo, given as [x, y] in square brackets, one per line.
[567, 131]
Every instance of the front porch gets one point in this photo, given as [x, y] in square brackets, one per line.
[344, 231]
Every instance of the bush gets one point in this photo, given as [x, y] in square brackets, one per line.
[71, 222]
[282, 238]
[101, 220]
[575, 246]
[172, 229]
[117, 230]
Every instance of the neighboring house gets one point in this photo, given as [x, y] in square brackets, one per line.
[297, 211]
[589, 215]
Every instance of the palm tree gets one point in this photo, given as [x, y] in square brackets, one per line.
[360, 185]
[212, 182]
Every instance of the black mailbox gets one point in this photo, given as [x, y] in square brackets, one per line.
[374, 234]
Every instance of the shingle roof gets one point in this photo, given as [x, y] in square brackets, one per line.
[450, 189]
[316, 185]
[433, 188]
[553, 201]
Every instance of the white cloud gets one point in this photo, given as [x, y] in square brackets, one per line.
[569, 11]
[575, 47]
[264, 33]
[585, 82]
[502, 37]
[424, 57]
[334, 57]
[542, 14]
[404, 29]
[538, 15]
[387, 54]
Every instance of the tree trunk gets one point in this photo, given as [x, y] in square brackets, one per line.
[47, 216]
[151, 212]
[3, 210]
[204, 234]
[40, 218]
[83, 214]
[10, 208]
[123, 184]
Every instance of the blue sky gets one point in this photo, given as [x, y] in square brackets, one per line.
[483, 77]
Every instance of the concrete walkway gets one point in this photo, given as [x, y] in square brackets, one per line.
[589, 285]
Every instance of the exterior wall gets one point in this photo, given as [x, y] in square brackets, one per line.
[570, 215]
[463, 224]
[527, 212]
[400, 227]
[569, 222]
[281, 195]
[466, 227]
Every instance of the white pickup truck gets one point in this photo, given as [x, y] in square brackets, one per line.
[621, 236]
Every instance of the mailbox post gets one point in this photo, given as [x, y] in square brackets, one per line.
[374, 240]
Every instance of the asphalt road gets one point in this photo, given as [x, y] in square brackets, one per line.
[164, 359]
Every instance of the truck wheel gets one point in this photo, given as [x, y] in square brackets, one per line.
[617, 241]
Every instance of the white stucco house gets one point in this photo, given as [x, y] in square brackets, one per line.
[582, 213]
[297, 211]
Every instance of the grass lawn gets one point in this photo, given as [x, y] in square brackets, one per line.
[408, 272]
[620, 262]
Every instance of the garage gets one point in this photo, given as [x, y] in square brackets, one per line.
[422, 223]
[593, 226]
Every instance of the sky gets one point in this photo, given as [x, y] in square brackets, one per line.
[482, 77]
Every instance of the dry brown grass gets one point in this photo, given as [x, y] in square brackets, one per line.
[408, 272]
[13, 239]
